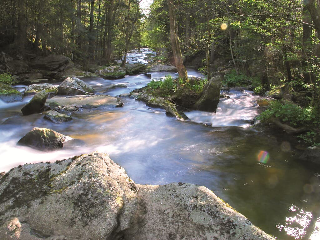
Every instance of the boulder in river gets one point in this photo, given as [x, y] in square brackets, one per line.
[210, 96]
[135, 68]
[91, 197]
[34, 88]
[57, 117]
[112, 72]
[37, 103]
[163, 68]
[43, 139]
[74, 103]
[74, 86]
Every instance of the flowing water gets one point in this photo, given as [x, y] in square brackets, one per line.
[254, 171]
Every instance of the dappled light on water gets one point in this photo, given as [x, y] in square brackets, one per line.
[297, 225]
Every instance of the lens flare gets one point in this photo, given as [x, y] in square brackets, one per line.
[263, 157]
[224, 26]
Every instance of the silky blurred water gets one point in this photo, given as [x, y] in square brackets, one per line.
[255, 172]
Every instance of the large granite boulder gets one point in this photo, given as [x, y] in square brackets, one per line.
[210, 96]
[51, 62]
[74, 86]
[36, 104]
[43, 139]
[91, 197]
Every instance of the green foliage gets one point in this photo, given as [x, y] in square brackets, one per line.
[234, 79]
[165, 87]
[6, 78]
[287, 112]
[170, 86]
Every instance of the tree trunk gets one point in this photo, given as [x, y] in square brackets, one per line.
[315, 14]
[91, 34]
[109, 25]
[78, 25]
[175, 43]
[21, 36]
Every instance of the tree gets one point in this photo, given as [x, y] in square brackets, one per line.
[175, 44]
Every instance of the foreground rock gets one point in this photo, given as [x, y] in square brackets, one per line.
[91, 197]
[37, 103]
[210, 96]
[74, 103]
[74, 86]
[43, 139]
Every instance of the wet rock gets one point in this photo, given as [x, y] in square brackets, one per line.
[153, 101]
[34, 88]
[163, 68]
[43, 139]
[73, 103]
[91, 197]
[57, 117]
[37, 104]
[74, 86]
[135, 68]
[311, 154]
[210, 96]
[112, 72]
[11, 97]
[51, 62]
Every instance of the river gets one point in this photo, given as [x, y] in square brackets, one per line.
[252, 170]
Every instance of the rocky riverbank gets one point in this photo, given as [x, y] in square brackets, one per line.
[91, 197]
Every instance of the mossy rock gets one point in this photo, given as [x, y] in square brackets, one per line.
[74, 86]
[43, 139]
[112, 72]
[135, 68]
[37, 103]
[57, 117]
[9, 94]
[34, 88]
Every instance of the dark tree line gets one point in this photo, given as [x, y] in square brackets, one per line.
[84, 30]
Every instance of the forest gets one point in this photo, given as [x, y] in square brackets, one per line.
[271, 46]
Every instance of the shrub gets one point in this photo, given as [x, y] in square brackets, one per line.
[6, 78]
[287, 112]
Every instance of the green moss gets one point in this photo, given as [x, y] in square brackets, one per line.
[7, 89]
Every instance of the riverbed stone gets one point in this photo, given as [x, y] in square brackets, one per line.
[73, 103]
[34, 88]
[43, 139]
[36, 104]
[112, 72]
[91, 197]
[57, 117]
[163, 68]
[160, 102]
[74, 86]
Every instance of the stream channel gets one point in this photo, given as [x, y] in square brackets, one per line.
[252, 170]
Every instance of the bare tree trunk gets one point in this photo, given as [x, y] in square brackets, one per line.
[110, 17]
[175, 43]
[91, 34]
[21, 38]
